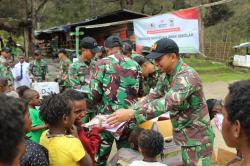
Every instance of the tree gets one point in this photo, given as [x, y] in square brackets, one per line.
[217, 13]
[21, 16]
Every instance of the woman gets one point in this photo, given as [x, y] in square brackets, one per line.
[236, 122]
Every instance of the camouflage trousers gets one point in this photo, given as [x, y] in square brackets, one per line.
[197, 155]
[105, 147]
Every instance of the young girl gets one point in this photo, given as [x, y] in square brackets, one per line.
[35, 154]
[64, 149]
[90, 139]
[151, 144]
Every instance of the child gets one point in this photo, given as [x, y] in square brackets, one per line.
[150, 144]
[21, 89]
[126, 156]
[64, 149]
[215, 112]
[11, 131]
[33, 99]
[35, 154]
[214, 107]
[90, 140]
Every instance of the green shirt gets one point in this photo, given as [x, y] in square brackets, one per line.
[36, 121]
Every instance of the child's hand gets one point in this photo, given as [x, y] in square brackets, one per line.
[73, 131]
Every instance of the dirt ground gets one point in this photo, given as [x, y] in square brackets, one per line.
[217, 90]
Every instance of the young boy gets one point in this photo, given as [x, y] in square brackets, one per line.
[90, 140]
[126, 156]
[35, 154]
[33, 99]
[64, 149]
[151, 144]
[21, 89]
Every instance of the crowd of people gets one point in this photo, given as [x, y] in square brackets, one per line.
[126, 88]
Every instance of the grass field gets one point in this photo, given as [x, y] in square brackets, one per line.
[212, 71]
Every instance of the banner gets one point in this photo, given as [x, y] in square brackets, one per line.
[45, 88]
[181, 26]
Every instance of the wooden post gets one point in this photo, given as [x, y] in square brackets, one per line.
[225, 46]
[201, 31]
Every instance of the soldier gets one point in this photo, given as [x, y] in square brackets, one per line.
[115, 84]
[180, 92]
[145, 50]
[12, 45]
[80, 71]
[2, 70]
[5, 55]
[38, 68]
[9, 75]
[64, 68]
[6, 62]
[132, 47]
[100, 54]
[150, 73]
[126, 49]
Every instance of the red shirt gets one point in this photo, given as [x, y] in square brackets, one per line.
[90, 140]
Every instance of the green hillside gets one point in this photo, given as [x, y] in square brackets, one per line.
[236, 28]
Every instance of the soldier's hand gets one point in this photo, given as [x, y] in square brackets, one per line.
[121, 115]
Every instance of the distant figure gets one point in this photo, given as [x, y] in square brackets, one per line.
[38, 68]
[63, 78]
[21, 73]
[12, 45]
[5, 55]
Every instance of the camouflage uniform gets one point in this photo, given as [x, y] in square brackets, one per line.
[79, 74]
[6, 71]
[2, 60]
[39, 70]
[181, 94]
[9, 76]
[79, 78]
[2, 70]
[151, 81]
[115, 84]
[133, 55]
[64, 68]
